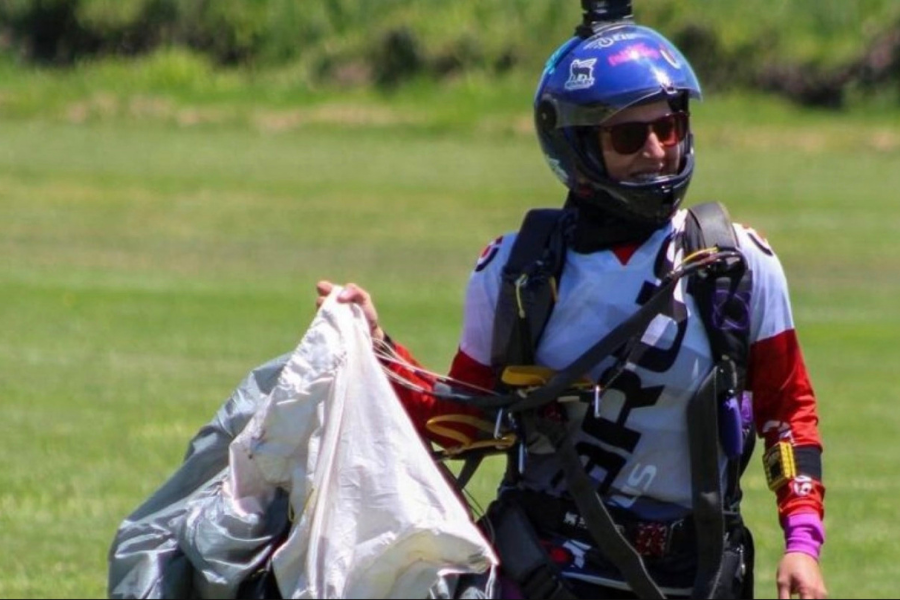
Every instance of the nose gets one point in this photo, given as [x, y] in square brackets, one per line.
[653, 148]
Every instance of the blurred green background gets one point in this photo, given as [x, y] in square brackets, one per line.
[176, 175]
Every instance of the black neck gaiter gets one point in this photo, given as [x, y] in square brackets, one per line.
[596, 229]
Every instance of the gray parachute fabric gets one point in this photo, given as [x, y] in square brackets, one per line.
[321, 430]
[146, 559]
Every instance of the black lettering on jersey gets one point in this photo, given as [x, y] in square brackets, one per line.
[650, 356]
[620, 440]
[597, 457]
[614, 434]
[654, 358]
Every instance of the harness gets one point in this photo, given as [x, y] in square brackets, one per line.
[720, 283]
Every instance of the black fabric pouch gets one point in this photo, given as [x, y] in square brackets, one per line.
[736, 581]
[522, 557]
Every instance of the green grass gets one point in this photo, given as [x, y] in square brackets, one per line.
[147, 266]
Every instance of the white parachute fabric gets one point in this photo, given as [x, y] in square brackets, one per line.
[374, 516]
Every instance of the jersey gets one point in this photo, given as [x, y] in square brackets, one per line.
[637, 452]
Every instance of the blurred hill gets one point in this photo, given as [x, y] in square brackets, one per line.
[816, 52]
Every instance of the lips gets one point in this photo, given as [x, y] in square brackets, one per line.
[645, 176]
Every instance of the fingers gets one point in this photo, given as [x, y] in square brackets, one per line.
[352, 293]
[323, 289]
[801, 590]
[799, 576]
[355, 294]
[785, 585]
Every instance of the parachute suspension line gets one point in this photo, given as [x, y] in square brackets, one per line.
[389, 356]
[520, 283]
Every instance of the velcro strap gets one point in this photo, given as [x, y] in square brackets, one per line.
[809, 461]
[783, 462]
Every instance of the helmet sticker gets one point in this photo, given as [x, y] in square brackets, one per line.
[634, 52]
[581, 74]
[488, 254]
[556, 167]
[605, 41]
[670, 58]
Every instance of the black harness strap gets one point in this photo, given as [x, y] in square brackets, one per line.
[596, 517]
[611, 342]
[527, 295]
[703, 433]
[723, 293]
[722, 296]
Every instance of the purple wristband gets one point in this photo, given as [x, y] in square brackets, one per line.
[805, 533]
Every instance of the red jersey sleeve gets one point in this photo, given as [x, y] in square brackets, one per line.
[784, 407]
[421, 405]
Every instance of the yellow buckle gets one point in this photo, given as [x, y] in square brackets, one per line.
[526, 375]
[437, 426]
[535, 376]
[779, 464]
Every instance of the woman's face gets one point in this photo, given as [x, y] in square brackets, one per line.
[658, 149]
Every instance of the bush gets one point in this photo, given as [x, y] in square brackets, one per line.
[813, 55]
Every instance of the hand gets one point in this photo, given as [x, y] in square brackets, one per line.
[356, 295]
[799, 573]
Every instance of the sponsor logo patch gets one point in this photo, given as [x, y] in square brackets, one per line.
[803, 485]
[633, 52]
[581, 74]
[605, 41]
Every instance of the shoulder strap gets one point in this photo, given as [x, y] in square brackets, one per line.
[724, 295]
[528, 289]
[714, 420]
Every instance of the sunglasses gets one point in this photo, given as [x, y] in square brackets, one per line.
[628, 138]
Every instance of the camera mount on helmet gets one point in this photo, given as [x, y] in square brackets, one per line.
[601, 12]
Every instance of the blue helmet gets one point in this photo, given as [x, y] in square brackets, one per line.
[587, 80]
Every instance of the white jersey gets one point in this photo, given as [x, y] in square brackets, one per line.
[638, 451]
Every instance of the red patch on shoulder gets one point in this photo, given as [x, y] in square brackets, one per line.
[488, 254]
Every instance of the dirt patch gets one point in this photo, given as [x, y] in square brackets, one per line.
[331, 114]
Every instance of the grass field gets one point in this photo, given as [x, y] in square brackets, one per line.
[147, 266]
